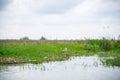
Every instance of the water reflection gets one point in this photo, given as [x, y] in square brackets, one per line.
[76, 68]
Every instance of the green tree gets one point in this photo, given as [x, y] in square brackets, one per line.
[24, 38]
[43, 38]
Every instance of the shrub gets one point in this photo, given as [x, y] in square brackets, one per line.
[24, 38]
[117, 45]
[104, 44]
[43, 38]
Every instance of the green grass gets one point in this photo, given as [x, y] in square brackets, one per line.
[40, 51]
[112, 62]
[34, 51]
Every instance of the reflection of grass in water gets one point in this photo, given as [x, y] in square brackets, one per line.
[112, 62]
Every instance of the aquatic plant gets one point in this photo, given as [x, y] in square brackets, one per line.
[105, 44]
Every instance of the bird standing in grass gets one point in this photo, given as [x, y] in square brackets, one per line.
[64, 51]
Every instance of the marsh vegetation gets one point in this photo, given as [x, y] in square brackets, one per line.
[59, 59]
[38, 51]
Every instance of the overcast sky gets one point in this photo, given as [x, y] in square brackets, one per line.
[59, 19]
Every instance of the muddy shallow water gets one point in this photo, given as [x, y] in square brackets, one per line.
[76, 68]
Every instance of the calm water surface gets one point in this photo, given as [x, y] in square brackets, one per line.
[76, 68]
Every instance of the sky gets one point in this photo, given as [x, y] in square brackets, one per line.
[59, 19]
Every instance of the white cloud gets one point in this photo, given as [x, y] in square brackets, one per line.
[54, 6]
[83, 18]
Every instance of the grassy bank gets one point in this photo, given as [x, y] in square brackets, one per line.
[17, 51]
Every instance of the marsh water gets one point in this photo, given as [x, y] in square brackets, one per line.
[76, 68]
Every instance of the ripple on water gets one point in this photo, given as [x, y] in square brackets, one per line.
[76, 68]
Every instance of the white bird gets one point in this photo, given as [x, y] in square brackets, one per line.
[64, 51]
